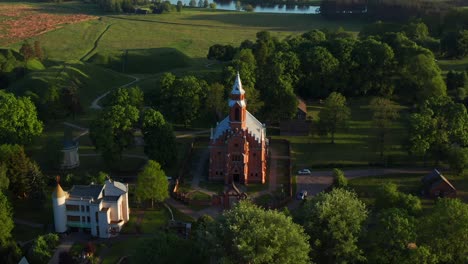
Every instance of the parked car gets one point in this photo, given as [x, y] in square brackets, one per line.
[301, 195]
[304, 172]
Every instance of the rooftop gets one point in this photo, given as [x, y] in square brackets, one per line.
[86, 191]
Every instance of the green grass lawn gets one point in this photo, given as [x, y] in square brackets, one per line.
[119, 249]
[354, 146]
[154, 221]
[456, 65]
[25, 233]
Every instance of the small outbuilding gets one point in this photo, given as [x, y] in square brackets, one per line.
[71, 158]
[436, 185]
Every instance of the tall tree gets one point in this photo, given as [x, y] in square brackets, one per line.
[319, 68]
[179, 6]
[334, 115]
[384, 113]
[152, 183]
[183, 98]
[216, 100]
[334, 221]
[18, 119]
[422, 78]
[160, 141]
[111, 133]
[25, 178]
[249, 234]
[388, 241]
[436, 126]
[339, 179]
[6, 218]
[27, 51]
[445, 231]
[127, 96]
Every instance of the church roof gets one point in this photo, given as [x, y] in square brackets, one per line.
[254, 127]
[237, 87]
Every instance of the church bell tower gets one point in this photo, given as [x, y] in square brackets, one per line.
[237, 106]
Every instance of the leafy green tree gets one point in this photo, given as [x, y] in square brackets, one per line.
[9, 250]
[456, 79]
[416, 31]
[71, 99]
[183, 98]
[388, 196]
[422, 78]
[390, 238]
[111, 133]
[436, 126]
[445, 231]
[160, 141]
[18, 119]
[27, 51]
[127, 96]
[179, 6]
[455, 43]
[38, 52]
[100, 178]
[385, 112]
[4, 181]
[339, 179]
[6, 218]
[334, 222]
[458, 159]
[319, 67]
[461, 94]
[334, 115]
[216, 101]
[206, 4]
[26, 179]
[373, 63]
[42, 248]
[213, 5]
[152, 183]
[315, 36]
[249, 234]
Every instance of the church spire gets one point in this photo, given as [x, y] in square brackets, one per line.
[237, 87]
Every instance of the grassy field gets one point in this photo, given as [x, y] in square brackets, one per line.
[456, 65]
[353, 146]
[367, 187]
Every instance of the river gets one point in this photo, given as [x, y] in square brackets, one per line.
[231, 5]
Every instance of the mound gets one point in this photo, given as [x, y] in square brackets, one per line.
[144, 61]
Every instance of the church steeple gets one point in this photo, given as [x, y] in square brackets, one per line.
[237, 87]
[237, 105]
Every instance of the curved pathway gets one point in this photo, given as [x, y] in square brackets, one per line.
[95, 103]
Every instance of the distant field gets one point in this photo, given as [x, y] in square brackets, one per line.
[191, 32]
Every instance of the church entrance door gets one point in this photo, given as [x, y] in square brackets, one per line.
[235, 177]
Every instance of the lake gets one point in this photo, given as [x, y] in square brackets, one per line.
[231, 5]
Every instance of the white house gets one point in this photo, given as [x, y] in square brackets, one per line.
[101, 210]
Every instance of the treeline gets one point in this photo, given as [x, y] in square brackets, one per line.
[384, 9]
[317, 63]
[280, 2]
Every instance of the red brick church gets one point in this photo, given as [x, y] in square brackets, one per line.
[238, 144]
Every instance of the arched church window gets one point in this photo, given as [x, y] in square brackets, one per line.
[237, 114]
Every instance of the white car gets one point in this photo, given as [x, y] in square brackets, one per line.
[301, 195]
[304, 172]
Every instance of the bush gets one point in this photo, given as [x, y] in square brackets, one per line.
[461, 94]
[339, 179]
